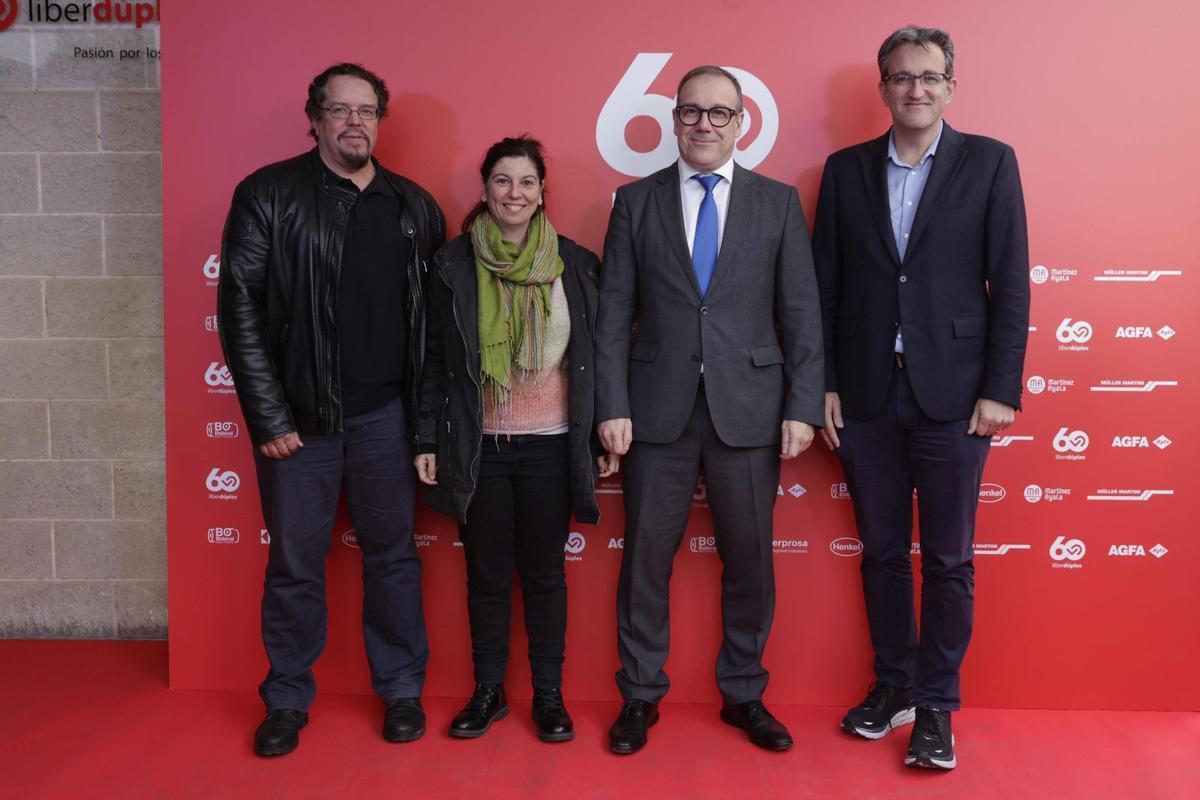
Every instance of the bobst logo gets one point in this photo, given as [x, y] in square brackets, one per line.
[631, 99]
[846, 546]
[224, 536]
[221, 430]
[839, 491]
[991, 493]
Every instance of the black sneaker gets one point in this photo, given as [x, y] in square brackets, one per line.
[884, 708]
[932, 743]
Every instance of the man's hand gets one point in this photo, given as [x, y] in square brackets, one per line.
[797, 436]
[426, 464]
[608, 464]
[282, 447]
[833, 420]
[990, 417]
[616, 435]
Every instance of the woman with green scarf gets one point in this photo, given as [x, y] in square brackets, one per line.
[505, 439]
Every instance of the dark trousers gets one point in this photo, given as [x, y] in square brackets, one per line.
[372, 460]
[885, 459]
[660, 480]
[518, 517]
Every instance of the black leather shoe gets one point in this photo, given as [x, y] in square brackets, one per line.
[404, 719]
[553, 721]
[486, 706]
[628, 734]
[279, 733]
[753, 717]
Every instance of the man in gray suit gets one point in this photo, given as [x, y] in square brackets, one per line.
[708, 258]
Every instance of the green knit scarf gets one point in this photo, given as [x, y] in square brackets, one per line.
[514, 299]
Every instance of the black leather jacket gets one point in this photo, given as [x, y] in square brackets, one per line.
[277, 294]
[451, 415]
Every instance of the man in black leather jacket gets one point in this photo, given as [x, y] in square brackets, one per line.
[321, 315]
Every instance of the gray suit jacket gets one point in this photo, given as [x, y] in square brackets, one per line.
[754, 375]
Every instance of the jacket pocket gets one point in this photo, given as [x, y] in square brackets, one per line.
[766, 355]
[966, 327]
[643, 351]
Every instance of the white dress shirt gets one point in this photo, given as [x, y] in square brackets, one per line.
[691, 192]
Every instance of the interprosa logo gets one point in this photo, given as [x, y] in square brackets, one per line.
[116, 12]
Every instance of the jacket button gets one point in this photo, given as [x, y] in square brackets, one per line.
[696, 357]
[704, 311]
[904, 279]
[581, 369]
[450, 374]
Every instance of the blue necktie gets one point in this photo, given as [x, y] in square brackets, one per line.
[704, 246]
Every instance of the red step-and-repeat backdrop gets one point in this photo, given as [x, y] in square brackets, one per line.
[1087, 592]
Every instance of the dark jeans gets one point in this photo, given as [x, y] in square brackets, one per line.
[884, 459]
[372, 460]
[518, 517]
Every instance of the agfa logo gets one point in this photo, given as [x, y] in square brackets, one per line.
[1158, 551]
[1064, 549]
[1071, 332]
[1166, 332]
[1162, 442]
[575, 543]
[631, 99]
[991, 493]
[795, 490]
[616, 543]
[846, 546]
[264, 536]
[8, 13]
[1127, 550]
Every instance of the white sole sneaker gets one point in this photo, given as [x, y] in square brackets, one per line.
[932, 762]
[901, 718]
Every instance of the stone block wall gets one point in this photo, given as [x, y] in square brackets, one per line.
[82, 516]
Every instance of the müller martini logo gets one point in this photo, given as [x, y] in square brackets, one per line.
[119, 12]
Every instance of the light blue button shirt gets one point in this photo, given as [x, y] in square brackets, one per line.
[905, 186]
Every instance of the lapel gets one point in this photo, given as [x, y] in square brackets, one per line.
[737, 218]
[946, 163]
[670, 211]
[873, 160]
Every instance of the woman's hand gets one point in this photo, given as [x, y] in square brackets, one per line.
[608, 464]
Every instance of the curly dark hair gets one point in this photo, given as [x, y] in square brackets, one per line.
[316, 90]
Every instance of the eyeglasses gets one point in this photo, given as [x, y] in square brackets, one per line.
[339, 111]
[718, 116]
[930, 80]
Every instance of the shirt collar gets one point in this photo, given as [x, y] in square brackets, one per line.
[930, 153]
[687, 171]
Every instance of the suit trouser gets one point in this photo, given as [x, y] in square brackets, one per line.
[373, 461]
[885, 458]
[660, 480]
[518, 517]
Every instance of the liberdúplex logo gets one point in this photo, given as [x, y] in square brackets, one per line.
[117, 12]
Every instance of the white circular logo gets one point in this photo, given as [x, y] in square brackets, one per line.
[218, 481]
[1033, 493]
[1036, 384]
[1039, 274]
[575, 543]
[846, 546]
[991, 493]
[1065, 549]
[1078, 331]
[350, 539]
[1071, 441]
[630, 99]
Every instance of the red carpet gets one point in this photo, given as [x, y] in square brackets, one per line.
[96, 720]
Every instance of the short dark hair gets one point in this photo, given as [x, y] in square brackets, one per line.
[316, 90]
[709, 69]
[523, 146]
[911, 34]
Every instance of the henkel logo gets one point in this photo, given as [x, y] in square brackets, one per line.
[1039, 274]
[991, 493]
[212, 269]
[795, 490]
[631, 99]
[839, 491]
[1069, 444]
[224, 536]
[8, 13]
[350, 539]
[221, 484]
[1067, 552]
[574, 546]
[846, 546]
[222, 430]
[703, 544]
[1073, 334]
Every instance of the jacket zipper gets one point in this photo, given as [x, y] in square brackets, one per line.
[474, 466]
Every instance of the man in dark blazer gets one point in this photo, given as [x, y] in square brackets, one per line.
[922, 259]
[708, 258]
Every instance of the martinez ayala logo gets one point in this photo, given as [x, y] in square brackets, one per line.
[631, 99]
[118, 12]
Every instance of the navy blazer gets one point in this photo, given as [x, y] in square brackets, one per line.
[961, 294]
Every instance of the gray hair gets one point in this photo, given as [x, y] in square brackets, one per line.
[709, 69]
[910, 34]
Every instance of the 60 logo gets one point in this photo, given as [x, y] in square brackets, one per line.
[1064, 549]
[631, 99]
[1069, 441]
[222, 480]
